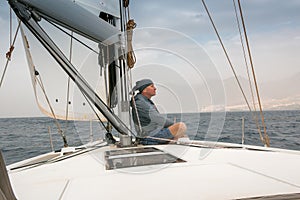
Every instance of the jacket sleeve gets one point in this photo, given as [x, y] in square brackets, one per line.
[149, 116]
[159, 119]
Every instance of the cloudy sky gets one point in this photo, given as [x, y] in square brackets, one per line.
[273, 29]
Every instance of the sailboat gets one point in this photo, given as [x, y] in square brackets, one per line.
[117, 166]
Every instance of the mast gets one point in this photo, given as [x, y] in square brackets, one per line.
[31, 16]
[118, 73]
[123, 87]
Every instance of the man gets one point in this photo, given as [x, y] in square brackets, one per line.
[147, 118]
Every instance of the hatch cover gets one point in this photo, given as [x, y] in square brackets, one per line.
[134, 157]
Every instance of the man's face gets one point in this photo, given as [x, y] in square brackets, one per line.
[149, 91]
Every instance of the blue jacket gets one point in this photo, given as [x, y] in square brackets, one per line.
[150, 118]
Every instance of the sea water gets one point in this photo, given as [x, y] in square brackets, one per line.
[22, 138]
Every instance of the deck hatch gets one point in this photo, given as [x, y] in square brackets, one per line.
[134, 157]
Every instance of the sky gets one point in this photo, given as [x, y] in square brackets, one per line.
[272, 26]
[273, 29]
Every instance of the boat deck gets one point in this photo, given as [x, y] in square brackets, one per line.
[194, 172]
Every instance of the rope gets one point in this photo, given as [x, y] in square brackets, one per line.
[59, 28]
[93, 109]
[130, 25]
[134, 104]
[131, 59]
[226, 54]
[10, 26]
[266, 137]
[72, 37]
[68, 84]
[136, 114]
[254, 115]
[126, 3]
[9, 53]
[39, 81]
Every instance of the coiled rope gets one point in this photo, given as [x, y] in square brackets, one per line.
[131, 59]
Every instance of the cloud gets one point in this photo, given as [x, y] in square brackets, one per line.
[272, 26]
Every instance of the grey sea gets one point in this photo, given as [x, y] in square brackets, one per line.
[22, 138]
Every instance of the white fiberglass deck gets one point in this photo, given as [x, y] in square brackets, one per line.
[207, 173]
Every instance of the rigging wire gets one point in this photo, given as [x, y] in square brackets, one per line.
[131, 59]
[254, 115]
[9, 53]
[60, 131]
[119, 120]
[265, 140]
[78, 40]
[266, 137]
[134, 104]
[72, 37]
[70, 58]
[226, 54]
[130, 25]
[228, 59]
[40, 83]
[10, 26]
[97, 115]
[42, 37]
[68, 83]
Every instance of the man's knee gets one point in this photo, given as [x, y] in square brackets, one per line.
[181, 126]
[178, 129]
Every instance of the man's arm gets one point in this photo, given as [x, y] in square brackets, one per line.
[159, 119]
[149, 116]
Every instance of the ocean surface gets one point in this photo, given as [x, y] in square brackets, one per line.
[22, 138]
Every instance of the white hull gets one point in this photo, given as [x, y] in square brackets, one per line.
[231, 172]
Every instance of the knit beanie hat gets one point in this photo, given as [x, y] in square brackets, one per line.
[142, 84]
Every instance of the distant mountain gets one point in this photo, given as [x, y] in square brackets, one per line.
[283, 88]
[209, 96]
[275, 95]
[233, 92]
